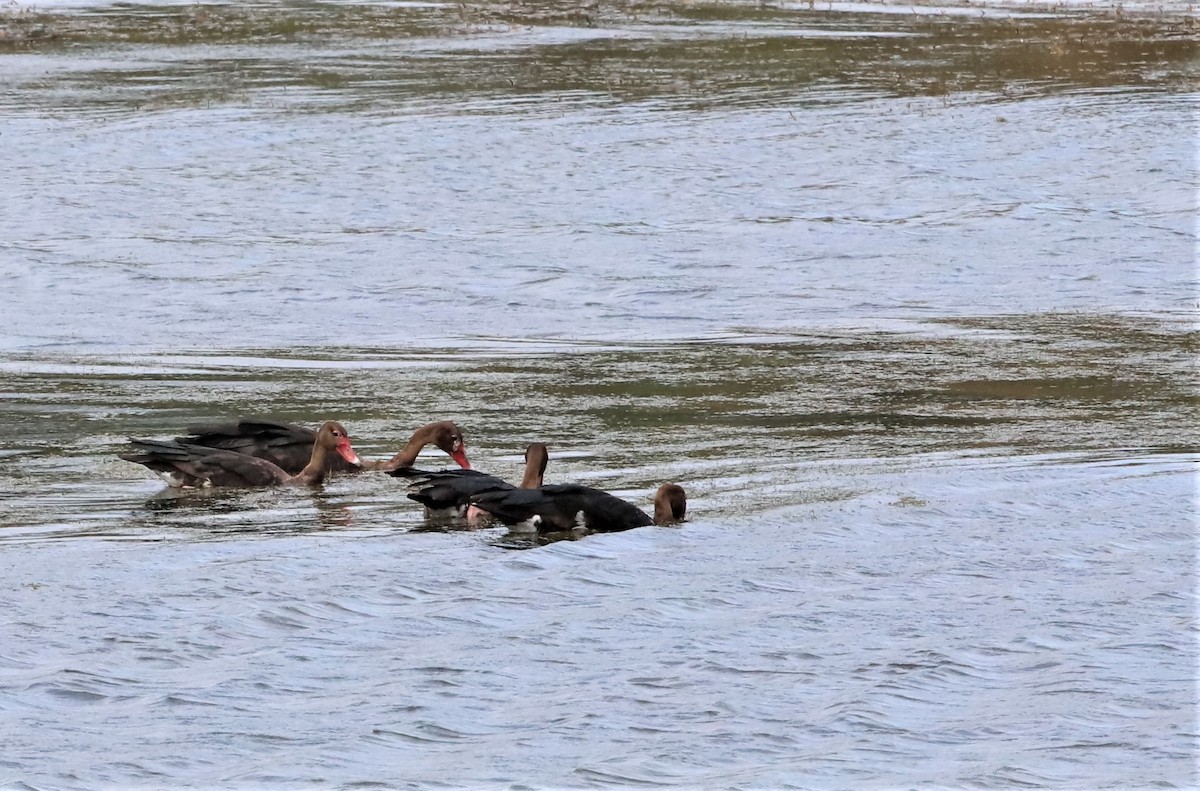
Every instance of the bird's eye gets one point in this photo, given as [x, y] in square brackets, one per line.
[337, 433]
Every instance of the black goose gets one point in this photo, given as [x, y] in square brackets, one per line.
[288, 445]
[196, 466]
[448, 493]
[566, 507]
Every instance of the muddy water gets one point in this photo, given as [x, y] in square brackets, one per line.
[904, 298]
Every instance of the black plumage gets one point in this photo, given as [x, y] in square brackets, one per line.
[188, 465]
[449, 492]
[198, 466]
[285, 445]
[562, 507]
[288, 445]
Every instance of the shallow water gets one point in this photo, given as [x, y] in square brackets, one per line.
[904, 297]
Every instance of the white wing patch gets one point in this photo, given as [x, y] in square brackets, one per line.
[529, 525]
[179, 481]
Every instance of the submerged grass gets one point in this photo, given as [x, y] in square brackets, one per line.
[351, 56]
[29, 28]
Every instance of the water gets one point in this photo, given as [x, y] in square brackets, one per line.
[905, 301]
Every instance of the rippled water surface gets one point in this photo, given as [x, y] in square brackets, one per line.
[903, 296]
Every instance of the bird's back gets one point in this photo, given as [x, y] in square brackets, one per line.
[198, 466]
[286, 445]
[562, 507]
[449, 489]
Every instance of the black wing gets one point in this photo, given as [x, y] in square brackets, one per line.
[561, 507]
[448, 489]
[194, 465]
[287, 445]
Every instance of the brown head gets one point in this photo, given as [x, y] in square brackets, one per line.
[333, 436]
[447, 436]
[670, 504]
[536, 458]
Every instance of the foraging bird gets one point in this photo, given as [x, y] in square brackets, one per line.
[448, 493]
[565, 507]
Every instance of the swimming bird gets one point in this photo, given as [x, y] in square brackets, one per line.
[565, 507]
[288, 445]
[448, 493]
[196, 466]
